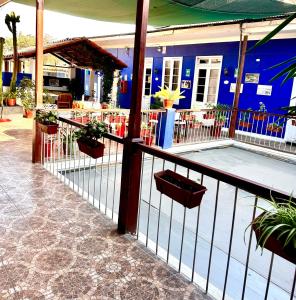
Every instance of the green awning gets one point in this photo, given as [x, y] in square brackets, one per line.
[171, 12]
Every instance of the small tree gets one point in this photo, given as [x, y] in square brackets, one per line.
[11, 20]
[2, 41]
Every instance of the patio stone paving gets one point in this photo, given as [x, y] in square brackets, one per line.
[54, 245]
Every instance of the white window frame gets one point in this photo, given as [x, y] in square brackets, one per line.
[207, 66]
[148, 64]
[180, 58]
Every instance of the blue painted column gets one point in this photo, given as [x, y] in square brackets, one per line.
[165, 129]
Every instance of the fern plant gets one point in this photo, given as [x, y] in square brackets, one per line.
[279, 220]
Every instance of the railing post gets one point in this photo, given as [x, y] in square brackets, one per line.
[132, 157]
[38, 78]
[238, 88]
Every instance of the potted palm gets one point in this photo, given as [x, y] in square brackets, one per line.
[168, 96]
[47, 121]
[88, 136]
[181, 189]
[26, 91]
[244, 119]
[261, 116]
[275, 228]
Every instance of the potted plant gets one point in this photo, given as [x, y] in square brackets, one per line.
[275, 228]
[87, 138]
[181, 189]
[218, 124]
[47, 121]
[10, 98]
[244, 119]
[275, 127]
[261, 116]
[168, 96]
[293, 122]
[26, 91]
[120, 129]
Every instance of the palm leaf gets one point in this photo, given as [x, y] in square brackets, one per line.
[274, 32]
[282, 63]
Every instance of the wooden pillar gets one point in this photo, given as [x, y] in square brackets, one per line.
[238, 87]
[36, 143]
[132, 158]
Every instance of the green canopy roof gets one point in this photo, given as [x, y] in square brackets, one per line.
[171, 12]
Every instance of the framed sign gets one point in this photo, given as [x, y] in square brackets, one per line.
[186, 84]
[252, 78]
[233, 87]
[264, 90]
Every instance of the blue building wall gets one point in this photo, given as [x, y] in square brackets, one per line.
[7, 77]
[268, 55]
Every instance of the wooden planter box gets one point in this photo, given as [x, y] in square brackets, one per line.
[274, 245]
[179, 188]
[274, 129]
[49, 128]
[244, 124]
[260, 117]
[94, 152]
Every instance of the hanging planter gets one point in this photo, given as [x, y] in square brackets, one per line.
[50, 128]
[244, 124]
[260, 117]
[272, 243]
[148, 140]
[181, 189]
[94, 150]
[274, 128]
[87, 138]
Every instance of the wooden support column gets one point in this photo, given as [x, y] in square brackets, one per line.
[132, 158]
[238, 87]
[36, 143]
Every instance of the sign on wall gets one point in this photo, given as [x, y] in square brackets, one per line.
[186, 84]
[252, 78]
[188, 72]
[233, 86]
[264, 90]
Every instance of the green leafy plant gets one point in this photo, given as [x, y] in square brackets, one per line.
[279, 220]
[166, 93]
[156, 103]
[11, 20]
[47, 98]
[91, 132]
[46, 117]
[245, 115]
[10, 95]
[26, 92]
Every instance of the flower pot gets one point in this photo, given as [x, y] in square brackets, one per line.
[49, 128]
[274, 129]
[120, 130]
[104, 105]
[11, 102]
[167, 103]
[28, 113]
[153, 116]
[209, 116]
[260, 117]
[216, 130]
[179, 188]
[91, 150]
[273, 244]
[148, 140]
[244, 124]
[293, 122]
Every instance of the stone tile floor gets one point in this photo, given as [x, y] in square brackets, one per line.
[54, 245]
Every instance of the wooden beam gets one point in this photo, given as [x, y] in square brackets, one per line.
[238, 87]
[36, 142]
[132, 157]
[39, 51]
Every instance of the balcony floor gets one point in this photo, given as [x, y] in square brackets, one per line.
[54, 245]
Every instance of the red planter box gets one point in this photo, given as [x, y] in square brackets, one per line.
[209, 116]
[274, 129]
[148, 140]
[260, 117]
[274, 245]
[244, 124]
[94, 152]
[49, 129]
[179, 188]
